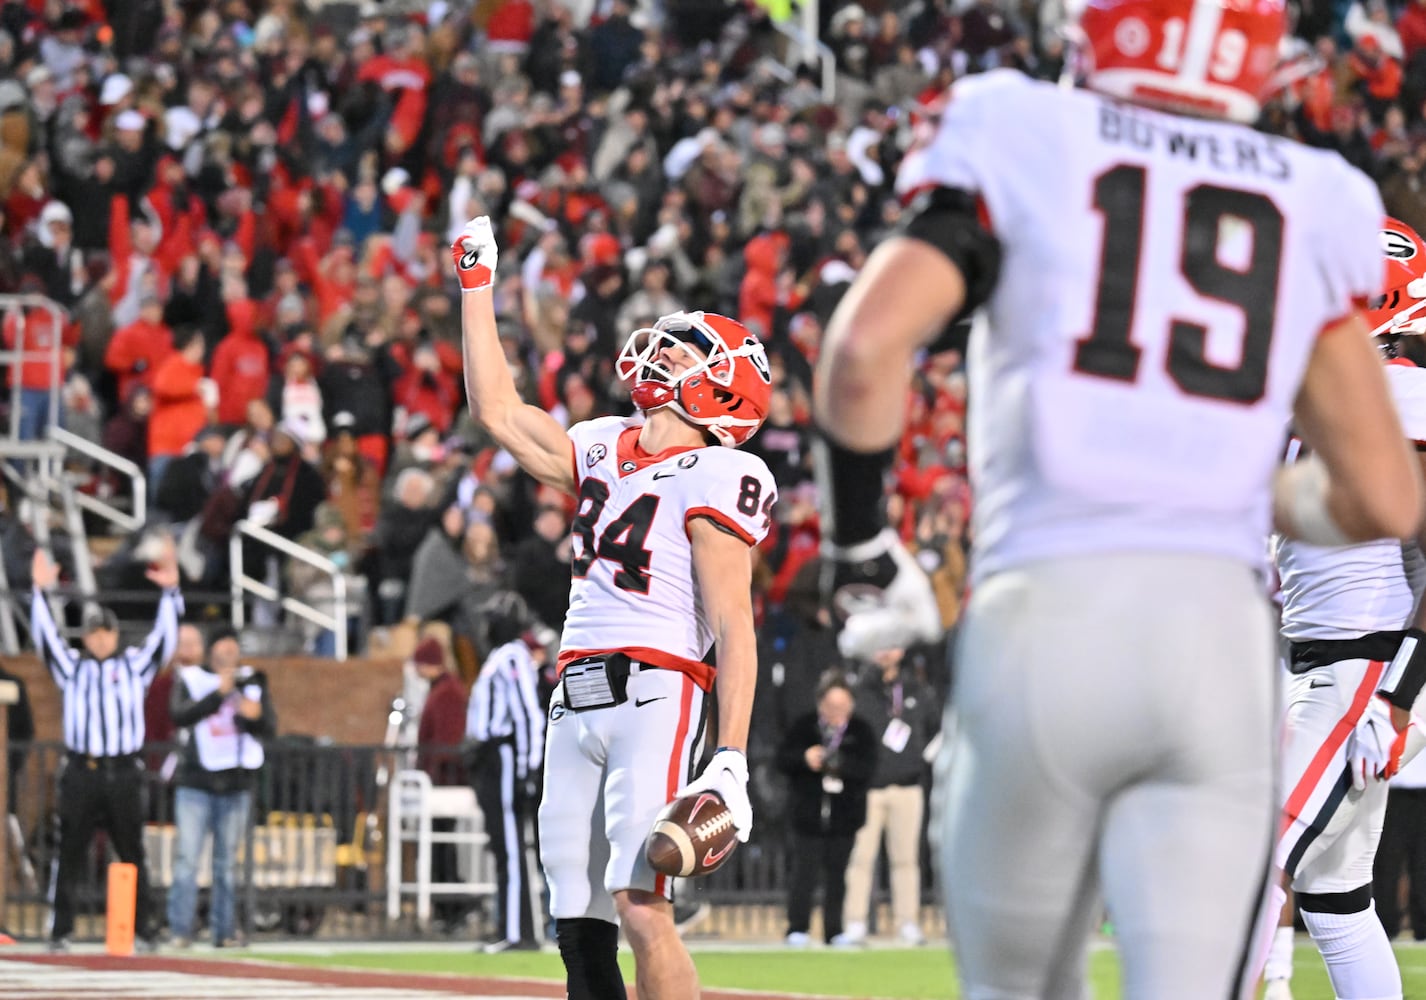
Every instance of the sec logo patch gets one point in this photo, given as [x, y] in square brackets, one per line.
[595, 455]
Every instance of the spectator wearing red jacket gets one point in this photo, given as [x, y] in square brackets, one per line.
[179, 408]
[241, 364]
[757, 296]
[1411, 27]
[428, 389]
[37, 335]
[405, 72]
[135, 351]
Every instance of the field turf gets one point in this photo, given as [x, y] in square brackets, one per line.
[879, 973]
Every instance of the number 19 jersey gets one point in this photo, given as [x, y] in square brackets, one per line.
[634, 587]
[1163, 283]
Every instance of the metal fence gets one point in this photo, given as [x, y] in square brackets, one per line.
[314, 858]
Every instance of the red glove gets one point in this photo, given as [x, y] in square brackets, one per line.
[475, 253]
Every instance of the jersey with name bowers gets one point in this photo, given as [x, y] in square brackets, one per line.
[634, 587]
[1164, 280]
[1348, 591]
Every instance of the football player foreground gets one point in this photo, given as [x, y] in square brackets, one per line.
[668, 514]
[1159, 289]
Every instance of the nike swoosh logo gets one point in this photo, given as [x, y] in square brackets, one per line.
[640, 703]
[1319, 682]
[712, 857]
[664, 475]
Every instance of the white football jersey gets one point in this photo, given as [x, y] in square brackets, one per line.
[1348, 591]
[634, 587]
[1163, 282]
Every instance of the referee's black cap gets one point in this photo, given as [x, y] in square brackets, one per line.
[100, 618]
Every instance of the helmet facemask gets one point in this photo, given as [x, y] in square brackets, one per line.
[703, 393]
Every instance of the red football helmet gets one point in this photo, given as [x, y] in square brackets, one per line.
[1401, 308]
[726, 389]
[1205, 57]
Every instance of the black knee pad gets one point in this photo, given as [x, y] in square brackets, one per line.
[590, 949]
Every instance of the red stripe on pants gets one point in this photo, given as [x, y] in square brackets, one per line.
[1302, 791]
[675, 757]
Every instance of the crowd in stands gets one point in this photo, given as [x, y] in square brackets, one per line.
[244, 208]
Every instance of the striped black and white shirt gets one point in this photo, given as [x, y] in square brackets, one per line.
[104, 699]
[504, 705]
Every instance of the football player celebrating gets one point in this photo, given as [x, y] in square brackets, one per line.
[668, 513]
[1354, 676]
[1164, 288]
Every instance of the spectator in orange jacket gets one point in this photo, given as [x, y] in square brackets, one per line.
[241, 364]
[180, 410]
[1378, 74]
[135, 351]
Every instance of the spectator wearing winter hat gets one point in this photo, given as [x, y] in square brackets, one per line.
[135, 351]
[353, 482]
[54, 257]
[439, 736]
[39, 332]
[329, 537]
[283, 497]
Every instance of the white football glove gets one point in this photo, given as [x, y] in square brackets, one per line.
[475, 254]
[884, 595]
[727, 775]
[1369, 748]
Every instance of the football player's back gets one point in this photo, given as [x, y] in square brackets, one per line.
[1161, 291]
[1163, 282]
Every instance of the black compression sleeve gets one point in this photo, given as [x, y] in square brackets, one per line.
[949, 220]
[853, 488]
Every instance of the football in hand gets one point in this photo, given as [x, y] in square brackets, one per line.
[693, 835]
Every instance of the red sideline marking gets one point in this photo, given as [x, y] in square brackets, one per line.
[437, 983]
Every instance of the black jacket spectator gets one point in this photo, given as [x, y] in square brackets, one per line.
[852, 760]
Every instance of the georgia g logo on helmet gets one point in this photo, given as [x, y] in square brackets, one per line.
[1397, 245]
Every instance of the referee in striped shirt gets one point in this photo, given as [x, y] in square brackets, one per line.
[507, 727]
[101, 784]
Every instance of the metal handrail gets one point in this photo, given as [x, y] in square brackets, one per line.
[810, 46]
[138, 482]
[336, 621]
[16, 356]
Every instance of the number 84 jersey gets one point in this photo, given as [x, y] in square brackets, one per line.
[634, 588]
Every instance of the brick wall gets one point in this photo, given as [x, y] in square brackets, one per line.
[344, 702]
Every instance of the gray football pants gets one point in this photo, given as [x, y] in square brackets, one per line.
[1110, 743]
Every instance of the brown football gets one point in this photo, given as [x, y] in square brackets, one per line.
[693, 835]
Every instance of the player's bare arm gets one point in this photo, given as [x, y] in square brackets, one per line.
[1368, 484]
[531, 435]
[723, 563]
[724, 567]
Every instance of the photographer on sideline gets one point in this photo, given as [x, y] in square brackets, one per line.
[829, 755]
[226, 712]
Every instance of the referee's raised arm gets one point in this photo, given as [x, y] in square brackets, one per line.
[158, 647]
[58, 655]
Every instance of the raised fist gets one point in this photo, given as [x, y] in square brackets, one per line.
[475, 253]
